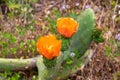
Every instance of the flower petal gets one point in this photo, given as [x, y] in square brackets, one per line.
[49, 46]
[67, 26]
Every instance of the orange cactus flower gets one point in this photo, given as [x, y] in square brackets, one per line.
[49, 46]
[67, 26]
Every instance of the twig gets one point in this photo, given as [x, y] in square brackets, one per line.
[50, 7]
[99, 23]
[44, 9]
[114, 13]
[84, 4]
[1, 16]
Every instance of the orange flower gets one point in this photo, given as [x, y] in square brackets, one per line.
[67, 26]
[49, 46]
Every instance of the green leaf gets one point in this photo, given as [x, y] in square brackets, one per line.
[13, 39]
[13, 5]
[33, 1]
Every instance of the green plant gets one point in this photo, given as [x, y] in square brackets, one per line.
[112, 50]
[97, 36]
[49, 63]
[56, 13]
[78, 45]
[13, 50]
[52, 23]
[65, 43]
[20, 30]
[4, 52]
[31, 46]
[20, 9]
[108, 51]
[73, 15]
[113, 3]
[116, 75]
[30, 26]
[8, 39]
[10, 75]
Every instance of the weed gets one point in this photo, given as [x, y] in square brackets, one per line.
[19, 30]
[73, 15]
[52, 25]
[31, 46]
[13, 50]
[5, 52]
[56, 13]
[108, 51]
[10, 76]
[97, 36]
[30, 26]
[49, 63]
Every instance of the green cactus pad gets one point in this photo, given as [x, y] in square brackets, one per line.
[82, 38]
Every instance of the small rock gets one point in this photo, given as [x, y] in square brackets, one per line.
[78, 77]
